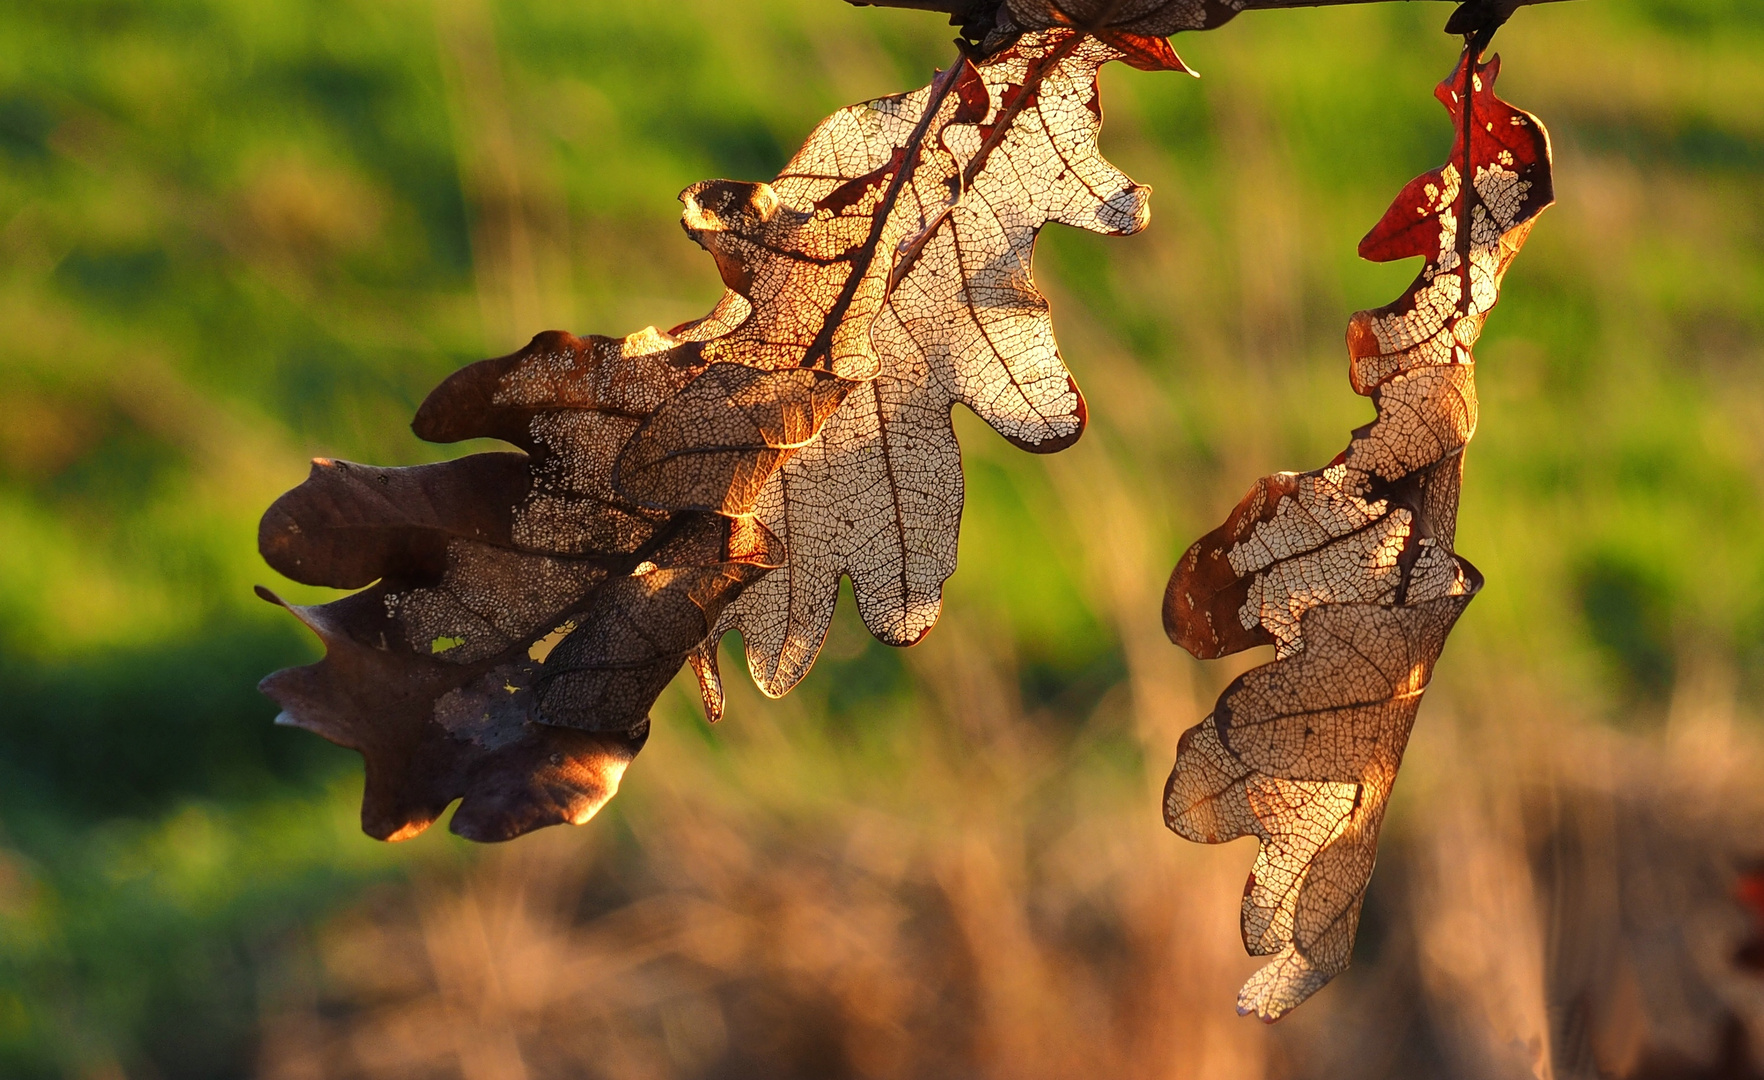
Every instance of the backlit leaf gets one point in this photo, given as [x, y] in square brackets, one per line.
[1350, 571]
[878, 496]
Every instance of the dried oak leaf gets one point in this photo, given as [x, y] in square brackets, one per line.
[878, 496]
[518, 621]
[1349, 571]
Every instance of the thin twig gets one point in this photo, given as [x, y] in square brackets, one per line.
[965, 8]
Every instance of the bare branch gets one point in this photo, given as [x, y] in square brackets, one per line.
[1471, 16]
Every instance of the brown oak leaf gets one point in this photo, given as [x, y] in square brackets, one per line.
[519, 618]
[878, 496]
[1349, 571]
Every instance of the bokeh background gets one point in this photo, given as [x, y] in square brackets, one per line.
[235, 234]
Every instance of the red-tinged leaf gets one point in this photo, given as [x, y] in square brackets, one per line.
[1145, 52]
[1492, 134]
[1349, 571]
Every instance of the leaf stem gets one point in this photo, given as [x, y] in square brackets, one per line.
[908, 253]
[822, 347]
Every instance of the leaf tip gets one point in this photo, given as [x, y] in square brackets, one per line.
[1146, 52]
[710, 681]
[405, 832]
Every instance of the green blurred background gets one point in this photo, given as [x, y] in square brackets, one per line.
[235, 234]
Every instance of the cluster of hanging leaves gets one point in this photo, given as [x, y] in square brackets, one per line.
[1349, 571]
[520, 612]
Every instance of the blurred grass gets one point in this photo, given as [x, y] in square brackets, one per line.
[238, 233]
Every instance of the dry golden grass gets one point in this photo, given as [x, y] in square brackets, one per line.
[981, 891]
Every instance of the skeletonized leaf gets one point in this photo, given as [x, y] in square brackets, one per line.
[1350, 570]
[878, 496]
